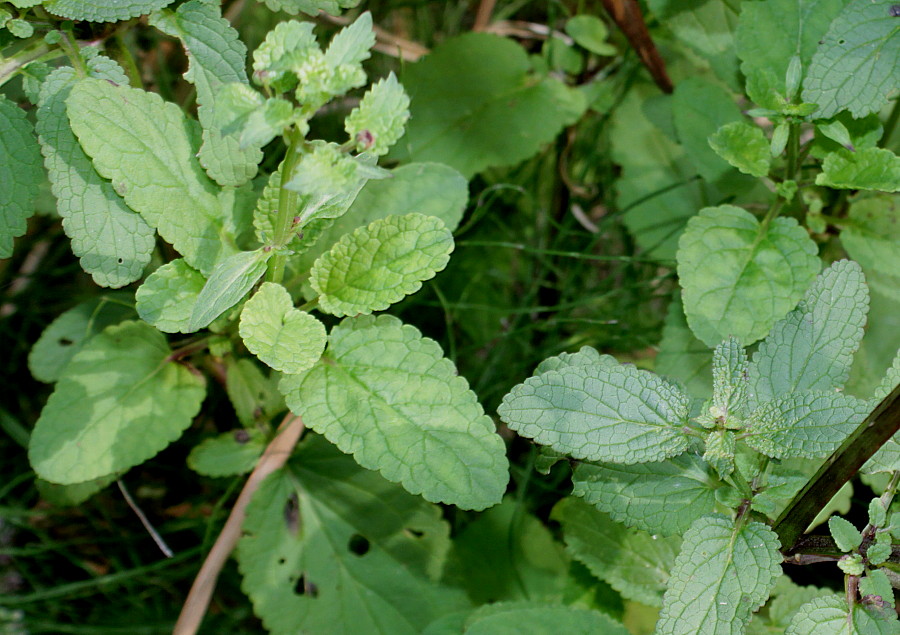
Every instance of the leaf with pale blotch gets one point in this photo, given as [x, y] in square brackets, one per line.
[285, 338]
[872, 237]
[738, 277]
[113, 243]
[378, 265]
[865, 169]
[315, 559]
[68, 333]
[660, 498]
[216, 56]
[103, 10]
[633, 562]
[617, 413]
[232, 278]
[255, 396]
[812, 347]
[167, 298]
[682, 356]
[830, 615]
[809, 424]
[119, 401]
[228, 454]
[20, 173]
[857, 65]
[722, 575]
[533, 617]
[730, 377]
[387, 395]
[744, 146]
[144, 146]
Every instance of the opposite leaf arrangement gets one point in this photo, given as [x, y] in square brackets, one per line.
[268, 277]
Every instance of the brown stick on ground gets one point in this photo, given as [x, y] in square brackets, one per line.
[483, 16]
[275, 456]
[627, 14]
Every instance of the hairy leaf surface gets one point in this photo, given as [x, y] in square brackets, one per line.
[738, 276]
[830, 615]
[168, 296]
[744, 146]
[385, 394]
[103, 10]
[227, 454]
[506, 618]
[119, 401]
[20, 173]
[873, 239]
[865, 169]
[231, 279]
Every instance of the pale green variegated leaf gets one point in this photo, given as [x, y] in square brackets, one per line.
[771, 32]
[682, 356]
[351, 45]
[600, 413]
[310, 7]
[865, 169]
[633, 562]
[216, 56]
[285, 338]
[872, 238]
[378, 265]
[721, 576]
[506, 618]
[586, 356]
[857, 65]
[660, 498]
[315, 559]
[103, 10]
[830, 615]
[699, 109]
[231, 279]
[739, 276]
[846, 536]
[228, 454]
[812, 347]
[380, 119]
[20, 173]
[808, 424]
[144, 146]
[68, 333]
[475, 105]
[167, 298]
[119, 401]
[387, 395]
[730, 377]
[744, 146]
[113, 243]
[255, 396]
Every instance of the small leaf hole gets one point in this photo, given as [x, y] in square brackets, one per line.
[358, 545]
[65, 341]
[306, 588]
[415, 533]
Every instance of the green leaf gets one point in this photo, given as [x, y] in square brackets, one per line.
[600, 413]
[143, 145]
[216, 56]
[71, 495]
[865, 169]
[699, 109]
[876, 583]
[808, 424]
[633, 562]
[586, 356]
[510, 618]
[772, 32]
[379, 265]
[721, 576]
[590, 32]
[738, 277]
[119, 401]
[103, 10]
[283, 337]
[379, 120]
[857, 66]
[254, 396]
[113, 243]
[20, 173]
[475, 106]
[167, 298]
[659, 498]
[69, 332]
[730, 377]
[744, 146]
[310, 7]
[812, 347]
[788, 597]
[830, 615]
[682, 356]
[243, 113]
[352, 44]
[846, 536]
[228, 454]
[872, 239]
[232, 278]
[329, 181]
[439, 443]
[877, 513]
[315, 558]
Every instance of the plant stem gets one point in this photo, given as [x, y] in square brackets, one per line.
[9, 66]
[121, 53]
[881, 424]
[68, 44]
[287, 205]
